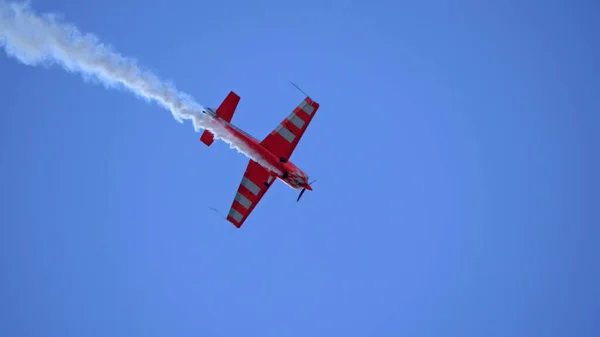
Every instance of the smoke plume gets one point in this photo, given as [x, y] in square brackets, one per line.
[35, 40]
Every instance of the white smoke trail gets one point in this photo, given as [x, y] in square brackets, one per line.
[42, 39]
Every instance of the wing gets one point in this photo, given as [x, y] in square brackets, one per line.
[283, 140]
[254, 185]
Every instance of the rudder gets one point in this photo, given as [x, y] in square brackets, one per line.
[207, 138]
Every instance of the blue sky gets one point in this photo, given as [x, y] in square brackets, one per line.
[455, 151]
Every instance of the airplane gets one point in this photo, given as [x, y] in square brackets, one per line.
[276, 148]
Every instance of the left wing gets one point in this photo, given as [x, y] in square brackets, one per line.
[283, 140]
[254, 185]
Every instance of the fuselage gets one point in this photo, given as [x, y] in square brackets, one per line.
[287, 172]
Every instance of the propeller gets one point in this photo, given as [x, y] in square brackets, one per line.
[304, 189]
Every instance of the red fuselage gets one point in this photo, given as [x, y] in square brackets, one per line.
[288, 172]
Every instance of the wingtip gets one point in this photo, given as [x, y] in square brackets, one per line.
[233, 222]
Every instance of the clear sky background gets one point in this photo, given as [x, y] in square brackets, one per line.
[456, 152]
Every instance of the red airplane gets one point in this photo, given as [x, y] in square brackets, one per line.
[276, 149]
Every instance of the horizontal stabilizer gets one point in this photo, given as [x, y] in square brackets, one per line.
[227, 108]
[207, 138]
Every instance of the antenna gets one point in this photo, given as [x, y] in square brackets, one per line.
[217, 211]
[297, 87]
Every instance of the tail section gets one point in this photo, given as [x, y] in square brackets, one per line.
[225, 111]
[227, 108]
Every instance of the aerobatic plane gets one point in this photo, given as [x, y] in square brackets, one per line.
[276, 149]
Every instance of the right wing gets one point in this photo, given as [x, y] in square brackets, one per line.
[254, 185]
[283, 140]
